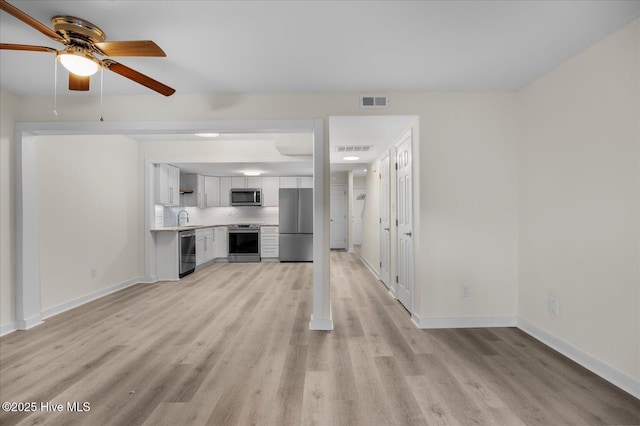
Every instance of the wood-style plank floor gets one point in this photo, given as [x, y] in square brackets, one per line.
[230, 345]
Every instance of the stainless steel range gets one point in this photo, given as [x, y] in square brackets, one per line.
[244, 243]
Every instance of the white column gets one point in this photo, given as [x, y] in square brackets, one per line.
[27, 234]
[321, 318]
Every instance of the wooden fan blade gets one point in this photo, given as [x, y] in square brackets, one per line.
[138, 77]
[26, 47]
[79, 82]
[130, 48]
[18, 14]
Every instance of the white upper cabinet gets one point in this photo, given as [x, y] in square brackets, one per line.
[224, 194]
[306, 182]
[238, 182]
[167, 185]
[296, 182]
[270, 191]
[211, 191]
[246, 182]
[254, 182]
[214, 191]
[289, 182]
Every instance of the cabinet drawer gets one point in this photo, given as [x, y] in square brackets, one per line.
[269, 252]
[204, 233]
[269, 230]
[268, 240]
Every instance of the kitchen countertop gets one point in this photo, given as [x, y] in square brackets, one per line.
[190, 227]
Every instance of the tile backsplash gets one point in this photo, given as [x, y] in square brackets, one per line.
[218, 215]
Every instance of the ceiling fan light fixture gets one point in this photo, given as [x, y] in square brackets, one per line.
[78, 62]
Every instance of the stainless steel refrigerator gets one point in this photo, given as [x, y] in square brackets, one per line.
[296, 225]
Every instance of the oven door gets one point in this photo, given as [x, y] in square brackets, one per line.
[244, 245]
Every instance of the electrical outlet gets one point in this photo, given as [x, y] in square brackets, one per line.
[93, 272]
[465, 291]
[553, 305]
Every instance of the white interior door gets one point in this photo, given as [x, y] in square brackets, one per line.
[385, 233]
[338, 213]
[359, 200]
[405, 222]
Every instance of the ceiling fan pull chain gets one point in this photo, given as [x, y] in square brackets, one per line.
[101, 92]
[55, 86]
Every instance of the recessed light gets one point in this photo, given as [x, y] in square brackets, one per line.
[208, 135]
[252, 173]
[351, 158]
[365, 170]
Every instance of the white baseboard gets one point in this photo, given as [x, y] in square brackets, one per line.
[7, 328]
[47, 313]
[373, 271]
[325, 324]
[463, 322]
[607, 372]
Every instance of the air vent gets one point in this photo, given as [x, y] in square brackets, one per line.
[353, 148]
[374, 102]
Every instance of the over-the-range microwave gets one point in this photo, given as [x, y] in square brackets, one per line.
[246, 197]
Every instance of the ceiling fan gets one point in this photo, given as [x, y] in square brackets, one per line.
[83, 41]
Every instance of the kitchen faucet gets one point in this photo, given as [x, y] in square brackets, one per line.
[185, 212]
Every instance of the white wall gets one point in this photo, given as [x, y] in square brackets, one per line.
[468, 206]
[88, 216]
[370, 247]
[579, 201]
[8, 106]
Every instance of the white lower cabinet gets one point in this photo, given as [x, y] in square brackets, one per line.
[205, 245]
[269, 236]
[221, 251]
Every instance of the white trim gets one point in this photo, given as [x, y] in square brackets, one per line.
[7, 328]
[325, 324]
[27, 323]
[48, 313]
[370, 268]
[27, 233]
[392, 291]
[591, 363]
[464, 322]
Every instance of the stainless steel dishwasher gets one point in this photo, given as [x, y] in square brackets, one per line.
[187, 252]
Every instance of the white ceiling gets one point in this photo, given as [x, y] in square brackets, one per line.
[318, 46]
[314, 46]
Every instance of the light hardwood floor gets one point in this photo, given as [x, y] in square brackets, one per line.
[230, 345]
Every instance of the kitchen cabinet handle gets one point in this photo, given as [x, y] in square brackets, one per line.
[386, 229]
[407, 234]
[205, 200]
